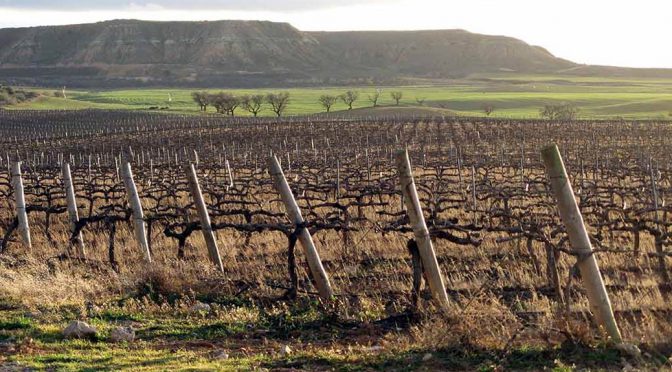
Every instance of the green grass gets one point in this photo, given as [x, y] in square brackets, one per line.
[172, 338]
[512, 96]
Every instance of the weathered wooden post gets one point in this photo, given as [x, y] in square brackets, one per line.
[136, 206]
[312, 256]
[204, 217]
[578, 237]
[420, 231]
[71, 201]
[228, 172]
[20, 200]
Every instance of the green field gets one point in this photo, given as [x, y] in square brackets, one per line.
[511, 95]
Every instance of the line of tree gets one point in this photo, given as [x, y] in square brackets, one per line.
[350, 97]
[227, 103]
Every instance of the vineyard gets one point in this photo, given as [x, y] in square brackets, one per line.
[180, 210]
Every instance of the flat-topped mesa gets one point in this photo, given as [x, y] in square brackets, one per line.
[252, 53]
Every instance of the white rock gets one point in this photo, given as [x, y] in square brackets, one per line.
[285, 350]
[375, 349]
[122, 334]
[79, 329]
[427, 357]
[220, 355]
[200, 307]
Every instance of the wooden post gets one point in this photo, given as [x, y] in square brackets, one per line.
[312, 256]
[417, 219]
[20, 199]
[578, 237]
[73, 214]
[203, 215]
[138, 215]
[228, 172]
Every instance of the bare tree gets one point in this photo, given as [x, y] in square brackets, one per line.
[373, 98]
[224, 103]
[202, 99]
[253, 104]
[278, 102]
[488, 109]
[397, 96]
[564, 111]
[349, 98]
[420, 100]
[327, 100]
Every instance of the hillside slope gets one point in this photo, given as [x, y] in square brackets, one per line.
[250, 53]
[439, 53]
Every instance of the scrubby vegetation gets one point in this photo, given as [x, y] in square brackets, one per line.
[10, 96]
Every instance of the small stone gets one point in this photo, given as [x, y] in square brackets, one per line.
[220, 355]
[285, 350]
[79, 329]
[375, 349]
[427, 357]
[32, 314]
[629, 349]
[200, 307]
[122, 334]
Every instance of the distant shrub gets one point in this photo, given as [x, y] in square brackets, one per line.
[10, 96]
[564, 111]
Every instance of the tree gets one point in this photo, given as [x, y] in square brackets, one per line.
[327, 100]
[224, 103]
[397, 96]
[278, 102]
[202, 99]
[349, 98]
[253, 104]
[488, 109]
[564, 111]
[373, 98]
[420, 100]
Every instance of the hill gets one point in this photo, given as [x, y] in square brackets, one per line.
[132, 53]
[250, 53]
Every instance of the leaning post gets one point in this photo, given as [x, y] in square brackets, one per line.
[570, 214]
[136, 206]
[71, 201]
[420, 231]
[20, 199]
[206, 226]
[312, 256]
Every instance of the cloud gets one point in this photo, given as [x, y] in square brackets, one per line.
[246, 5]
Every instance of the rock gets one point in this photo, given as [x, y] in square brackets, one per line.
[7, 347]
[285, 350]
[122, 334]
[200, 307]
[79, 329]
[374, 349]
[629, 349]
[13, 367]
[427, 357]
[32, 314]
[220, 355]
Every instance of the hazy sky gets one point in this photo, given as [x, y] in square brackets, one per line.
[611, 32]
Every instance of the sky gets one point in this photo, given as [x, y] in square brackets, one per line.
[606, 32]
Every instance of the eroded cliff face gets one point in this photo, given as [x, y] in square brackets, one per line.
[261, 53]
